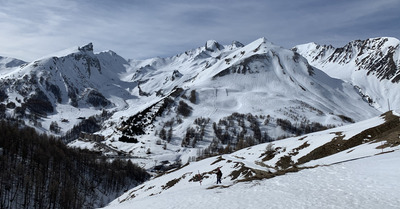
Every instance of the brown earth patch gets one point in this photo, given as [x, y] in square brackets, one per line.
[218, 160]
[170, 183]
[387, 132]
[295, 151]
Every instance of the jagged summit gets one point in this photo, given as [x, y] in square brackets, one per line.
[237, 44]
[211, 83]
[7, 62]
[212, 45]
[214, 99]
[371, 65]
[86, 48]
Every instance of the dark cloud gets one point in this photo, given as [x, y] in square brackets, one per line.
[142, 29]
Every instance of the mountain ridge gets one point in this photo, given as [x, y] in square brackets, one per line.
[267, 91]
[257, 111]
[371, 65]
[259, 164]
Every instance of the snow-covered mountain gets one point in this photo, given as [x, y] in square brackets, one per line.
[345, 167]
[212, 99]
[228, 90]
[372, 66]
[162, 113]
[65, 86]
[7, 62]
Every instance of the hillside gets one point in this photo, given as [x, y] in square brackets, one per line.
[371, 65]
[217, 98]
[39, 171]
[365, 183]
[260, 112]
[358, 165]
[209, 100]
[63, 88]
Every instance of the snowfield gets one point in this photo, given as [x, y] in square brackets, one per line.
[260, 78]
[219, 99]
[353, 63]
[372, 182]
[362, 176]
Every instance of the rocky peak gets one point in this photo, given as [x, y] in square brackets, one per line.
[212, 45]
[8, 62]
[86, 48]
[237, 44]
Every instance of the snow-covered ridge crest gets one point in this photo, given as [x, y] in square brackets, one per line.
[261, 163]
[266, 92]
[260, 83]
[7, 62]
[378, 56]
[67, 82]
[371, 65]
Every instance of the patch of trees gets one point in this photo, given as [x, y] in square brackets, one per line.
[55, 90]
[3, 96]
[301, 128]
[184, 109]
[97, 99]
[38, 171]
[136, 124]
[39, 104]
[11, 105]
[164, 134]
[192, 97]
[195, 134]
[239, 131]
[89, 125]
[3, 111]
[54, 127]
[346, 119]
[128, 139]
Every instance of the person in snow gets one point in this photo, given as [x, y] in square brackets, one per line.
[199, 177]
[219, 175]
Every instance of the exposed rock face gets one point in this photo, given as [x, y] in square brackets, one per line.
[372, 66]
[378, 56]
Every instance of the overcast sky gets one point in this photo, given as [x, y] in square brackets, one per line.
[138, 29]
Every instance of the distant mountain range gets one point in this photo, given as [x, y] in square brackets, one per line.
[256, 111]
[212, 99]
[372, 66]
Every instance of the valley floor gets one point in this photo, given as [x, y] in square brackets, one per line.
[372, 182]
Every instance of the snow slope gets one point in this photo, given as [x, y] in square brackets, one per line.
[260, 79]
[7, 62]
[367, 183]
[362, 176]
[137, 99]
[74, 83]
[372, 66]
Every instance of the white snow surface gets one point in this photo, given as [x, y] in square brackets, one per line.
[360, 177]
[352, 63]
[367, 183]
[259, 78]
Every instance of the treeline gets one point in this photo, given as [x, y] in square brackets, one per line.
[239, 131]
[38, 171]
[301, 128]
[89, 125]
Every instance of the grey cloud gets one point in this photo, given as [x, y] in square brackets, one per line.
[143, 29]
